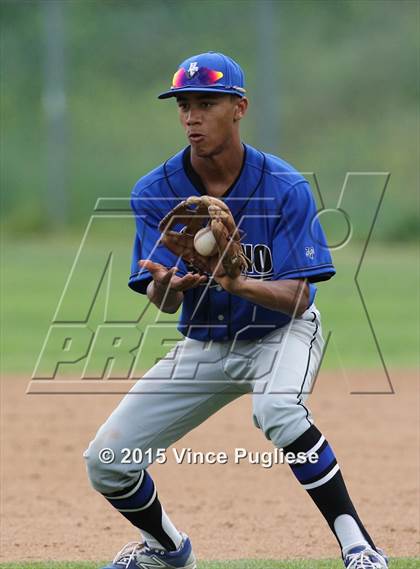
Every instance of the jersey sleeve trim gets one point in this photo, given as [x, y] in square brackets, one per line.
[139, 282]
[314, 274]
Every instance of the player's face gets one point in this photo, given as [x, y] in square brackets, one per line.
[210, 120]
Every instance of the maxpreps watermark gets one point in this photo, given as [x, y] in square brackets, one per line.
[265, 459]
[102, 341]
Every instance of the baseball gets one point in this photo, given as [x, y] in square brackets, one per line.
[205, 243]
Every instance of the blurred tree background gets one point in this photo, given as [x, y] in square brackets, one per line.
[334, 84]
[333, 88]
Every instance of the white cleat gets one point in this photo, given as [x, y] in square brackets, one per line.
[364, 557]
[137, 555]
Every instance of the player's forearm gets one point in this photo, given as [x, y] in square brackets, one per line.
[288, 296]
[166, 301]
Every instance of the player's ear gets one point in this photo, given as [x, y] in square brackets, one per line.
[241, 106]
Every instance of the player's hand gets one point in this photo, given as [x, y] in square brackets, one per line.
[166, 278]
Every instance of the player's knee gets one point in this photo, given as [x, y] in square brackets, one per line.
[100, 474]
[281, 418]
[105, 472]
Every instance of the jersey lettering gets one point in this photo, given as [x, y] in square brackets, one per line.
[247, 249]
[263, 262]
[259, 258]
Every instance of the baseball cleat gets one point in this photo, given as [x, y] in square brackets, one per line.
[137, 555]
[364, 557]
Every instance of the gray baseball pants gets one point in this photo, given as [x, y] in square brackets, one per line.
[196, 379]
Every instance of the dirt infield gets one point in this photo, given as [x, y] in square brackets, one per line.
[50, 512]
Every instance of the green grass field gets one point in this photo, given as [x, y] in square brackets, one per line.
[35, 273]
[402, 563]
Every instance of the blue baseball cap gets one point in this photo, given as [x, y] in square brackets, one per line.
[209, 72]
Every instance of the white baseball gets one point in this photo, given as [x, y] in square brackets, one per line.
[205, 243]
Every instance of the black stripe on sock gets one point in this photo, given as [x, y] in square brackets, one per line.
[333, 500]
[150, 520]
[305, 442]
[296, 467]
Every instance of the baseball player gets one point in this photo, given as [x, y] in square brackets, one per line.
[249, 320]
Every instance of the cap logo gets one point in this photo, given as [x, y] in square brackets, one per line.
[192, 69]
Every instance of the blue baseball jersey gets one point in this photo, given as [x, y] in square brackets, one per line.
[274, 209]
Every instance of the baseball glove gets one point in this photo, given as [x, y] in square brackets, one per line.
[193, 214]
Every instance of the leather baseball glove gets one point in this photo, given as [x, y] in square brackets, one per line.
[194, 214]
